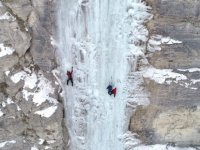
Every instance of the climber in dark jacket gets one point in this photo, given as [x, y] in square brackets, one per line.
[69, 75]
[109, 88]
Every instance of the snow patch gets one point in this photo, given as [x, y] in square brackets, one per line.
[160, 147]
[168, 76]
[7, 16]
[30, 81]
[7, 142]
[44, 89]
[34, 148]
[168, 40]
[1, 113]
[28, 70]
[53, 41]
[161, 75]
[190, 69]
[18, 76]
[3, 104]
[4, 50]
[9, 101]
[56, 73]
[47, 147]
[41, 141]
[7, 72]
[51, 141]
[156, 41]
[48, 112]
[18, 108]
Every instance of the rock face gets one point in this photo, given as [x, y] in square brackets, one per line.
[31, 110]
[173, 49]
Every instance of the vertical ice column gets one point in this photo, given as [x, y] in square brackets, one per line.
[97, 37]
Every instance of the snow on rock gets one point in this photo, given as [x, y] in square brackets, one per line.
[30, 81]
[190, 69]
[194, 81]
[3, 104]
[156, 41]
[34, 148]
[42, 85]
[4, 50]
[168, 40]
[47, 147]
[130, 140]
[18, 76]
[18, 108]
[161, 75]
[48, 112]
[7, 16]
[56, 73]
[51, 141]
[41, 141]
[132, 143]
[8, 102]
[53, 41]
[7, 142]
[42, 94]
[160, 147]
[1, 113]
[7, 72]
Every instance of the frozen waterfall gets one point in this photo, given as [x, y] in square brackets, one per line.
[102, 40]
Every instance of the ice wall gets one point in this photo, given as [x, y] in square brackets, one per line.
[102, 40]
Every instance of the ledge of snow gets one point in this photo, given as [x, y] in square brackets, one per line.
[160, 147]
[161, 75]
[190, 69]
[155, 42]
[48, 112]
[7, 142]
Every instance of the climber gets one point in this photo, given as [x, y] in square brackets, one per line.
[69, 75]
[114, 91]
[109, 88]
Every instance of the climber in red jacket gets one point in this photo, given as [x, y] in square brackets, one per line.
[69, 75]
[114, 91]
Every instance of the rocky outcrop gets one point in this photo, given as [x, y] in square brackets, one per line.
[173, 80]
[31, 110]
[43, 27]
